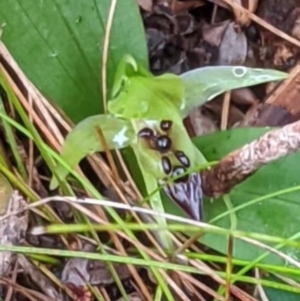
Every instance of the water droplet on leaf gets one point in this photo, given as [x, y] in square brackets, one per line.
[53, 54]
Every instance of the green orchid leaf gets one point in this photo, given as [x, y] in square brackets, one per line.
[203, 84]
[84, 140]
[165, 151]
[59, 46]
[266, 203]
[140, 95]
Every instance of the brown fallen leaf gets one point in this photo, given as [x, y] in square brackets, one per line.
[278, 49]
[80, 271]
[179, 6]
[233, 48]
[39, 278]
[12, 229]
[281, 107]
[278, 13]
[268, 115]
[213, 33]
[244, 97]
[229, 39]
[241, 16]
[295, 31]
[199, 124]
[235, 115]
[145, 4]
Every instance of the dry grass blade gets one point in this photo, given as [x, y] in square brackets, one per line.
[260, 291]
[225, 110]
[242, 295]
[198, 264]
[261, 22]
[38, 111]
[32, 295]
[290, 84]
[105, 51]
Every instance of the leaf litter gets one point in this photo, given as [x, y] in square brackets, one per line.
[182, 35]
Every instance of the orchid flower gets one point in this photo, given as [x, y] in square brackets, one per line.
[146, 113]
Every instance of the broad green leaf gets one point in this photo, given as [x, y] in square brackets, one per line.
[58, 44]
[274, 294]
[203, 84]
[277, 215]
[280, 295]
[84, 140]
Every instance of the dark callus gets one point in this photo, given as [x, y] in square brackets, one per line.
[163, 143]
[165, 125]
[146, 133]
[182, 158]
[166, 165]
[177, 171]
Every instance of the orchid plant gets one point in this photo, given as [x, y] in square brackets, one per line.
[146, 113]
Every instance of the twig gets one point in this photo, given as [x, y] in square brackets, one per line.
[241, 163]
[261, 22]
[225, 110]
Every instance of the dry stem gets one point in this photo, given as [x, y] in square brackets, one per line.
[240, 164]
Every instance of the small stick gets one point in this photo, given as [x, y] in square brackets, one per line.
[241, 163]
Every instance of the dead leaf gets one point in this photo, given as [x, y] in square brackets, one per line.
[79, 271]
[213, 33]
[146, 4]
[241, 17]
[278, 13]
[39, 278]
[268, 115]
[235, 115]
[244, 97]
[233, 48]
[201, 124]
[179, 6]
[12, 229]
[295, 31]
[281, 107]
